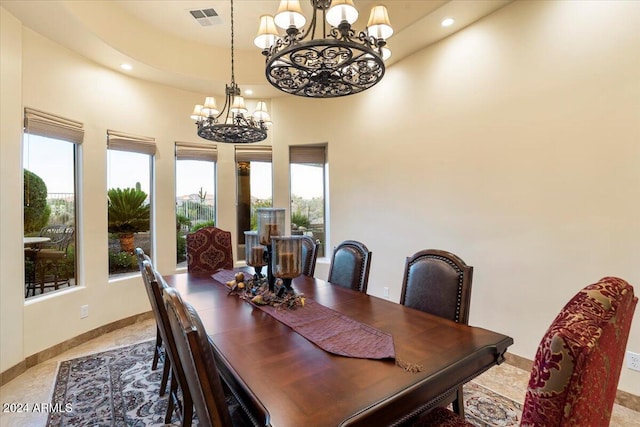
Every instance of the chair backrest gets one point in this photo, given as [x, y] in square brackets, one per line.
[154, 284]
[54, 232]
[577, 367]
[309, 255]
[60, 236]
[69, 233]
[141, 256]
[198, 361]
[438, 282]
[350, 265]
[209, 250]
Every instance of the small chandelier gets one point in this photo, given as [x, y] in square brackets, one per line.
[338, 64]
[230, 124]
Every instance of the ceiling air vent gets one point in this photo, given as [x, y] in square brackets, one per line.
[205, 17]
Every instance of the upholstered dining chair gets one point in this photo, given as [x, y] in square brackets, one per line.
[209, 250]
[350, 265]
[154, 285]
[159, 352]
[309, 255]
[577, 366]
[200, 369]
[439, 283]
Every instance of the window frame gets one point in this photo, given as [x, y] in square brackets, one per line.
[127, 142]
[204, 152]
[248, 153]
[311, 154]
[59, 129]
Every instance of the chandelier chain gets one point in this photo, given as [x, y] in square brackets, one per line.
[233, 77]
[230, 125]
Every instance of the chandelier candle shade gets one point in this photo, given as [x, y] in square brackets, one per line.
[341, 62]
[231, 124]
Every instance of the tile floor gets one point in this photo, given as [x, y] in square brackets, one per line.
[36, 384]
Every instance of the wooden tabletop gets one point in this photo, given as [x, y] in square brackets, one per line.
[290, 382]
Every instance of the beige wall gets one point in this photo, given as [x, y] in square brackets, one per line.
[514, 143]
[11, 249]
[40, 74]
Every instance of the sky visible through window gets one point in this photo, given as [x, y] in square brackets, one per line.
[125, 169]
[52, 161]
[192, 175]
[308, 182]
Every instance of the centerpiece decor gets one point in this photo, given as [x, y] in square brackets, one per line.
[286, 262]
[254, 253]
[256, 290]
[270, 224]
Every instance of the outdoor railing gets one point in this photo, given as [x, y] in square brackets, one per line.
[195, 212]
[63, 207]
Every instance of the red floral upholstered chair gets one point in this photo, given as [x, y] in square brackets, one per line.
[577, 367]
[209, 250]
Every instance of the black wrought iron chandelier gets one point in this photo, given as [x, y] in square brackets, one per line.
[230, 124]
[340, 63]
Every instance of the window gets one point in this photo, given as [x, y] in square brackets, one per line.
[129, 178]
[254, 186]
[308, 169]
[195, 192]
[50, 153]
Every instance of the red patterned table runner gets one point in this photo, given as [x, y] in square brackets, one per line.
[332, 331]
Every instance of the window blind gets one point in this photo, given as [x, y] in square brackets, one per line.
[38, 122]
[128, 142]
[255, 153]
[308, 154]
[193, 151]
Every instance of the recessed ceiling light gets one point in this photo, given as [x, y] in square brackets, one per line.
[248, 92]
[127, 67]
[447, 22]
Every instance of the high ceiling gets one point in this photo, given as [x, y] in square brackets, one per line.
[165, 44]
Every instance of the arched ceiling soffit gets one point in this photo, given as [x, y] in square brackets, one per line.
[166, 45]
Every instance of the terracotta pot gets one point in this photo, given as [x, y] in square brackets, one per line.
[126, 242]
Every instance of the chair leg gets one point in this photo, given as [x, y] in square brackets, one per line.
[173, 390]
[166, 368]
[156, 353]
[187, 411]
[458, 404]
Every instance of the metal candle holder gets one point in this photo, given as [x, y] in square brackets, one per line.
[270, 224]
[254, 253]
[286, 259]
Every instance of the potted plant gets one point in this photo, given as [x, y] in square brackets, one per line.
[36, 209]
[128, 214]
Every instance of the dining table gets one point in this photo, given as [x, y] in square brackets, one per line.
[285, 380]
[35, 241]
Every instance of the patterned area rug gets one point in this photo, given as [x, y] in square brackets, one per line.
[118, 388]
[486, 408]
[112, 388]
